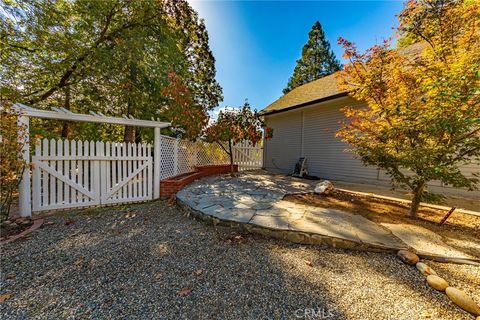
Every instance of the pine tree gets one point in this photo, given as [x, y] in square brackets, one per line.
[317, 60]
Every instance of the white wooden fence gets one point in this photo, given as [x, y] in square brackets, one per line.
[248, 156]
[69, 174]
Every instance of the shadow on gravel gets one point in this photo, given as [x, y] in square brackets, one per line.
[150, 261]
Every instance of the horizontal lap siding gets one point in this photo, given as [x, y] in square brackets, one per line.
[283, 149]
[327, 155]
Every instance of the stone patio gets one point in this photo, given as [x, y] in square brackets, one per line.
[253, 200]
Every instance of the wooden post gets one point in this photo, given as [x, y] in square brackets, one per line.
[449, 213]
[175, 156]
[156, 164]
[24, 195]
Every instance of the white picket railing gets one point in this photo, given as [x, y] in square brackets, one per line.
[69, 174]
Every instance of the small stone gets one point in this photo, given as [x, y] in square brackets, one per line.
[424, 269]
[462, 300]
[408, 257]
[325, 187]
[25, 222]
[437, 283]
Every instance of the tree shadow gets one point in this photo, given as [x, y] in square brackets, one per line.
[107, 263]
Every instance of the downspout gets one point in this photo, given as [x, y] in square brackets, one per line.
[302, 135]
[264, 156]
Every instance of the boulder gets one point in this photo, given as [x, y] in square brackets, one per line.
[437, 283]
[408, 257]
[325, 187]
[463, 300]
[424, 269]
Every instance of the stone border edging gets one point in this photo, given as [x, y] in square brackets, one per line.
[37, 223]
[300, 237]
[426, 256]
[303, 237]
[457, 296]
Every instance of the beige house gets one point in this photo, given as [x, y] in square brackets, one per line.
[304, 122]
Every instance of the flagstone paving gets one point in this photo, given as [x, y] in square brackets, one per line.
[254, 201]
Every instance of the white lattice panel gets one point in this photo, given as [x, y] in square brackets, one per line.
[182, 156]
[168, 166]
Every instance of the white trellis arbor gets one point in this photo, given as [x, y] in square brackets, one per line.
[98, 152]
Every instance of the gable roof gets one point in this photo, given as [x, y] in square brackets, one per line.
[320, 90]
[316, 91]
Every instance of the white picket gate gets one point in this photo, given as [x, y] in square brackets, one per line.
[247, 155]
[69, 174]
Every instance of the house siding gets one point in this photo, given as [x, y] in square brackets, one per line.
[283, 150]
[310, 132]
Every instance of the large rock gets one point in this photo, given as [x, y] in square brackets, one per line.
[325, 187]
[408, 257]
[462, 300]
[437, 283]
[424, 269]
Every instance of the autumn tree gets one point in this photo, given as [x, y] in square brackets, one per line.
[317, 60]
[421, 122]
[107, 56]
[233, 126]
[182, 110]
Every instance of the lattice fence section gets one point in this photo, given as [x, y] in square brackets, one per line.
[210, 153]
[182, 156]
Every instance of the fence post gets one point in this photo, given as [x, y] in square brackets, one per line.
[24, 195]
[156, 164]
[196, 154]
[175, 157]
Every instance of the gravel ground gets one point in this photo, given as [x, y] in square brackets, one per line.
[151, 261]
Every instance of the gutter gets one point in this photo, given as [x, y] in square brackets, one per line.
[305, 104]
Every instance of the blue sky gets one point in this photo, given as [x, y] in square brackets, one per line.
[256, 43]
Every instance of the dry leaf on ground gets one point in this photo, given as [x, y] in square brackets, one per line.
[184, 292]
[199, 272]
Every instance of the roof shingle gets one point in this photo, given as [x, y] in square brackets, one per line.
[322, 89]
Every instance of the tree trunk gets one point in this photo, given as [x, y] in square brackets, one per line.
[231, 156]
[129, 134]
[65, 126]
[417, 197]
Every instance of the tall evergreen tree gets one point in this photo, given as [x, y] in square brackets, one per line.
[317, 60]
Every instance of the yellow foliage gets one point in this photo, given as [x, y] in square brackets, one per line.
[423, 116]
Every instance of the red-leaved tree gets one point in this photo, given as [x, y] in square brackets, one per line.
[234, 126]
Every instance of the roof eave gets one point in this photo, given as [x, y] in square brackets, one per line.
[305, 104]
